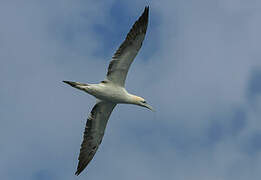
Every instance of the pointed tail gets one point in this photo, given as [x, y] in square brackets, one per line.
[76, 84]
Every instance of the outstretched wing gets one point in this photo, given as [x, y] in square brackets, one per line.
[122, 59]
[94, 131]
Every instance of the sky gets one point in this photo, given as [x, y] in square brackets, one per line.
[199, 67]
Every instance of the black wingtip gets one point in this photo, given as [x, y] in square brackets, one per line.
[146, 11]
[143, 19]
[77, 173]
[79, 170]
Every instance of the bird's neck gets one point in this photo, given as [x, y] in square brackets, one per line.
[133, 99]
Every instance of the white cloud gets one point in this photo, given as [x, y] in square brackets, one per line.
[201, 53]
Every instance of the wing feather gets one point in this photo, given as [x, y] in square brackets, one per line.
[93, 134]
[124, 56]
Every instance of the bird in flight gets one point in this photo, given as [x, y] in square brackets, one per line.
[111, 91]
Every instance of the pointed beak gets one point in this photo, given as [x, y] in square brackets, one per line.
[148, 106]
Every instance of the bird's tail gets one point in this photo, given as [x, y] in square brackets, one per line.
[77, 85]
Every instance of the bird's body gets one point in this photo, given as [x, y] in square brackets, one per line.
[111, 91]
[106, 91]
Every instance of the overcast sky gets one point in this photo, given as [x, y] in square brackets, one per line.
[199, 67]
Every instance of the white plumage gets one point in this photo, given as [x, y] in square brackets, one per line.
[111, 91]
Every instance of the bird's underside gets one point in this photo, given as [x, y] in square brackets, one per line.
[116, 76]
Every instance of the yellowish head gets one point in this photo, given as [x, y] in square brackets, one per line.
[138, 99]
[141, 102]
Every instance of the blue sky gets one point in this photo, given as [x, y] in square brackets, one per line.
[199, 67]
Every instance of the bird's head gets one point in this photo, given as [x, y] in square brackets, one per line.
[142, 102]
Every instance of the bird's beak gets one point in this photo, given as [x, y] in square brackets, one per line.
[148, 106]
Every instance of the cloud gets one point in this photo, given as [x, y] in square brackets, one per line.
[199, 67]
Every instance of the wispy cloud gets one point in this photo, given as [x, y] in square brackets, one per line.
[199, 67]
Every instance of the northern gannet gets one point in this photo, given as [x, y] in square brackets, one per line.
[111, 91]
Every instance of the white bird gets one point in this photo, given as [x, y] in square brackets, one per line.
[111, 91]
